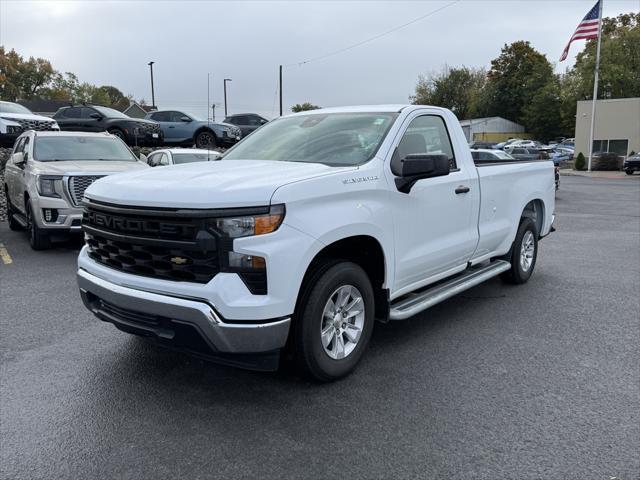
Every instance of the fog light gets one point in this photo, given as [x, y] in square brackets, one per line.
[246, 262]
[50, 214]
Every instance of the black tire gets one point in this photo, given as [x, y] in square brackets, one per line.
[520, 271]
[13, 224]
[629, 172]
[205, 139]
[116, 132]
[310, 353]
[37, 239]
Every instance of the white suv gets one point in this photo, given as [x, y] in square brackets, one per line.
[47, 174]
[16, 119]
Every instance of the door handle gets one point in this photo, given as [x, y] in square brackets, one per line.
[462, 189]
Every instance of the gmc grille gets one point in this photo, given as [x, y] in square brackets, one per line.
[77, 186]
[40, 125]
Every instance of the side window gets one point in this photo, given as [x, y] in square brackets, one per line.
[163, 159]
[25, 147]
[73, 112]
[240, 120]
[160, 116]
[475, 155]
[85, 113]
[254, 121]
[19, 147]
[176, 116]
[427, 134]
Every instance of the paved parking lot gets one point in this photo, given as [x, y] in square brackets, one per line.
[536, 381]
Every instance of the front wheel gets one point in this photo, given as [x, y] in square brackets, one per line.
[116, 132]
[333, 327]
[524, 253]
[205, 139]
[37, 239]
[629, 172]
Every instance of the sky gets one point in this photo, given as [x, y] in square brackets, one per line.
[111, 43]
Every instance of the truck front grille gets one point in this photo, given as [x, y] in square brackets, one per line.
[77, 186]
[153, 243]
[40, 125]
[166, 263]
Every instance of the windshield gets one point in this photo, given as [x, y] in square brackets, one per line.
[8, 107]
[179, 158]
[334, 139]
[111, 113]
[51, 149]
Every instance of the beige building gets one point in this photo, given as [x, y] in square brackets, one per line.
[617, 127]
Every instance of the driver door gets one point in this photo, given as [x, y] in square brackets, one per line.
[436, 222]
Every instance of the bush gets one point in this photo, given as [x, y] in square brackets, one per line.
[580, 162]
[607, 161]
[632, 153]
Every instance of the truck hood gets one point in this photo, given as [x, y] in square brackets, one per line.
[218, 184]
[88, 167]
[25, 116]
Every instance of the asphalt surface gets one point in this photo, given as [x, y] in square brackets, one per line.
[536, 381]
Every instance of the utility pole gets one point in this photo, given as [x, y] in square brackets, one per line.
[280, 83]
[225, 94]
[153, 96]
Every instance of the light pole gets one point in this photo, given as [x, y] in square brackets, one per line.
[153, 96]
[225, 94]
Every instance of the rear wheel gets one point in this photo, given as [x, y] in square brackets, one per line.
[523, 253]
[37, 239]
[205, 139]
[333, 327]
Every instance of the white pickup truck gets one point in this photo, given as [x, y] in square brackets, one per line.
[308, 231]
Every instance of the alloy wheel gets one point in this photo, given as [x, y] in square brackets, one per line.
[342, 322]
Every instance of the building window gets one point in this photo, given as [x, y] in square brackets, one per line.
[619, 146]
[600, 146]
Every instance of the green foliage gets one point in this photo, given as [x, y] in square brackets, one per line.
[457, 89]
[542, 113]
[22, 79]
[515, 77]
[303, 107]
[580, 162]
[632, 153]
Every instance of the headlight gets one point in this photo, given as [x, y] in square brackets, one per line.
[249, 225]
[14, 129]
[47, 185]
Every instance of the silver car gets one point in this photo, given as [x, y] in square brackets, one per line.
[47, 174]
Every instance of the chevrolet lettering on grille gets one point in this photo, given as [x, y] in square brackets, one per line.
[123, 224]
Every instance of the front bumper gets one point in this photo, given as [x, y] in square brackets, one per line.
[144, 139]
[633, 165]
[186, 324]
[69, 218]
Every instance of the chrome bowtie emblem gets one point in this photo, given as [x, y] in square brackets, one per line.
[178, 260]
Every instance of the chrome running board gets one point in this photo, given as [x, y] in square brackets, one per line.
[414, 303]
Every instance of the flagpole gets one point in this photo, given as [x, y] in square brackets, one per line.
[595, 85]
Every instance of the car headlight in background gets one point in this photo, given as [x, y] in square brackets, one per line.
[47, 185]
[14, 129]
[246, 226]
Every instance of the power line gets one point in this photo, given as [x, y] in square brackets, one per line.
[395, 29]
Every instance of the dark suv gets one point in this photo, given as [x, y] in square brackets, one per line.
[247, 122]
[94, 118]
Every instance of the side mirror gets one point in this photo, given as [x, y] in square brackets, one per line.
[417, 166]
[95, 116]
[185, 119]
[19, 160]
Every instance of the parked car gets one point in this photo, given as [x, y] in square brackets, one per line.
[482, 145]
[521, 153]
[15, 119]
[94, 118]
[381, 215]
[47, 174]
[561, 155]
[247, 122]
[631, 164]
[503, 145]
[487, 155]
[181, 128]
[178, 156]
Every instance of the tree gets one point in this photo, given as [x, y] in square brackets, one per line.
[458, 89]
[303, 107]
[515, 77]
[619, 60]
[541, 116]
[116, 99]
[20, 79]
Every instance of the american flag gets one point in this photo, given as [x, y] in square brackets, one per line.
[587, 28]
